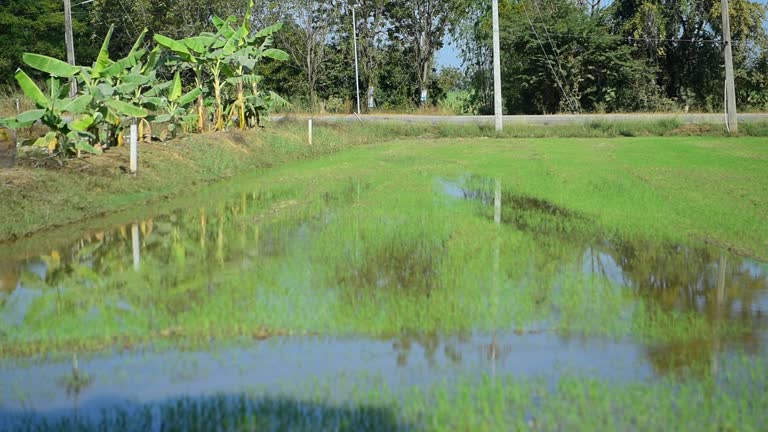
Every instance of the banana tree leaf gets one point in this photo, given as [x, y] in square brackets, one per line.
[103, 91]
[190, 97]
[50, 65]
[126, 109]
[123, 64]
[153, 102]
[126, 89]
[175, 90]
[268, 31]
[157, 89]
[84, 146]
[31, 116]
[31, 89]
[276, 54]
[173, 45]
[199, 44]
[152, 60]
[103, 61]
[139, 41]
[78, 105]
[162, 118]
[139, 79]
[47, 141]
[82, 124]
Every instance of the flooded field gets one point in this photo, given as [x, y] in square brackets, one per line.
[345, 295]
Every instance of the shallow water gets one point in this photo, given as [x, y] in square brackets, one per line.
[268, 248]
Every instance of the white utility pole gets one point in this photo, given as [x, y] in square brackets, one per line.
[357, 73]
[70, 41]
[730, 85]
[497, 69]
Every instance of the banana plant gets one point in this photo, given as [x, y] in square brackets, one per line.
[243, 51]
[194, 53]
[55, 110]
[114, 86]
[174, 103]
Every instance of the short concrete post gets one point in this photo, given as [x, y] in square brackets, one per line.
[310, 131]
[134, 148]
[7, 148]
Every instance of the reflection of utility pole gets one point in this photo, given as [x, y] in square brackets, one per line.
[136, 247]
[719, 302]
[70, 41]
[493, 349]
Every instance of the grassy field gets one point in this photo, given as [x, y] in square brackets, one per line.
[395, 235]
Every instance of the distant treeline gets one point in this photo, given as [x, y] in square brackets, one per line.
[557, 55]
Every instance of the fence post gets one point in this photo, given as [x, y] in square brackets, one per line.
[134, 148]
[310, 131]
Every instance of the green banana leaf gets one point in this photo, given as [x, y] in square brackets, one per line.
[175, 90]
[31, 116]
[31, 90]
[190, 97]
[50, 65]
[276, 54]
[126, 109]
[78, 105]
[103, 61]
[269, 31]
[82, 124]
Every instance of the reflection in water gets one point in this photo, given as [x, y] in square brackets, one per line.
[681, 278]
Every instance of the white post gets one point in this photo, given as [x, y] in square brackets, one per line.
[134, 148]
[357, 73]
[309, 127]
[497, 69]
[136, 247]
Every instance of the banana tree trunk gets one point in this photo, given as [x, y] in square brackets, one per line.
[200, 102]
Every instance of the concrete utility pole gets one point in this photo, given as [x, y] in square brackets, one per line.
[497, 69]
[730, 84]
[70, 40]
[357, 73]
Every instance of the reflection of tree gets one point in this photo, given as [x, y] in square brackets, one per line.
[9, 276]
[430, 343]
[693, 280]
[75, 382]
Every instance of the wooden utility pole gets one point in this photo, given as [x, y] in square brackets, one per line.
[730, 85]
[70, 40]
[497, 69]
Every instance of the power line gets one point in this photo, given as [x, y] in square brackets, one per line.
[546, 56]
[555, 53]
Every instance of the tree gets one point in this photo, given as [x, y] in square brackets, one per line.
[422, 26]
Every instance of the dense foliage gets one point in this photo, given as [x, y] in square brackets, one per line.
[558, 55]
[115, 93]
